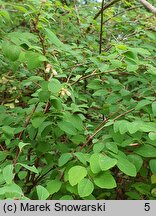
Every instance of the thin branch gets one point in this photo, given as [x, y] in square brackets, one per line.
[99, 129]
[21, 133]
[122, 12]
[101, 28]
[149, 6]
[107, 5]
[28, 120]
[93, 74]
[37, 180]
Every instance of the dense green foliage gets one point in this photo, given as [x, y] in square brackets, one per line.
[76, 124]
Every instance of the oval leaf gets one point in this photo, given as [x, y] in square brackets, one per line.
[154, 108]
[146, 151]
[64, 159]
[54, 86]
[42, 192]
[21, 145]
[126, 167]
[76, 174]
[106, 162]
[94, 165]
[67, 127]
[53, 38]
[152, 135]
[54, 186]
[152, 164]
[37, 121]
[136, 160]
[85, 187]
[31, 168]
[105, 180]
[8, 174]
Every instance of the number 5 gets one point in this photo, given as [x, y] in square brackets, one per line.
[147, 207]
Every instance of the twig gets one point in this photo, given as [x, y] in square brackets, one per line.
[107, 5]
[104, 121]
[99, 129]
[47, 107]
[41, 37]
[93, 74]
[122, 12]
[21, 133]
[101, 28]
[28, 173]
[38, 178]
[77, 13]
[149, 6]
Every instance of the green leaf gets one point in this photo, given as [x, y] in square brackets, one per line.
[133, 127]
[64, 159]
[123, 126]
[85, 187]
[12, 52]
[136, 160]
[44, 96]
[67, 127]
[53, 38]
[8, 130]
[151, 70]
[3, 155]
[22, 175]
[94, 165]
[141, 104]
[131, 67]
[42, 192]
[133, 195]
[66, 197]
[12, 188]
[21, 145]
[152, 164]
[148, 126]
[141, 51]
[54, 86]
[75, 120]
[94, 84]
[126, 167]
[152, 135]
[116, 126]
[34, 60]
[8, 174]
[20, 8]
[112, 146]
[116, 64]
[56, 103]
[81, 157]
[54, 186]
[105, 180]
[146, 151]
[76, 174]
[77, 139]
[142, 188]
[31, 168]
[106, 162]
[5, 14]
[45, 128]
[154, 108]
[98, 147]
[37, 121]
[153, 179]
[153, 192]
[100, 92]
[71, 189]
